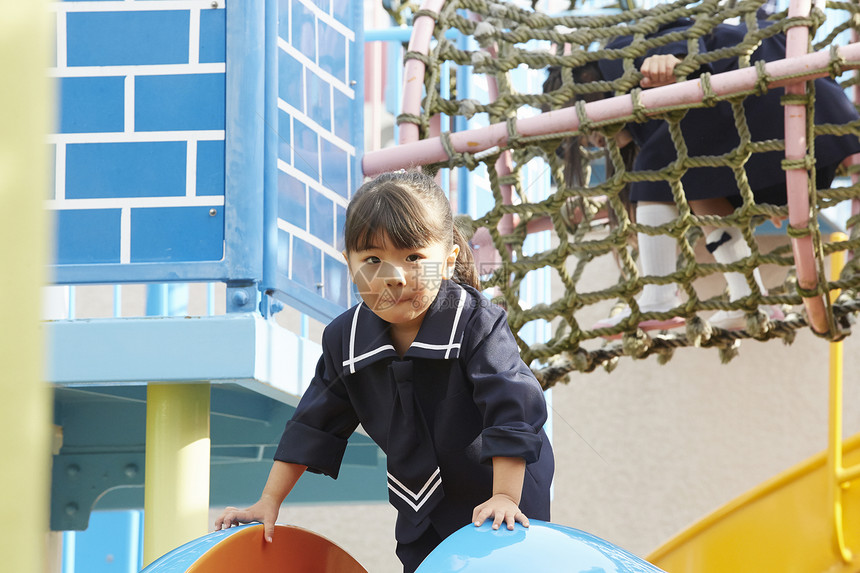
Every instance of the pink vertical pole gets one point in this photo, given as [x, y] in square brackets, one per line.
[797, 180]
[413, 70]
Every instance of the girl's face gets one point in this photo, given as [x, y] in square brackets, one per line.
[400, 284]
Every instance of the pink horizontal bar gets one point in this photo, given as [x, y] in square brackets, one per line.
[563, 120]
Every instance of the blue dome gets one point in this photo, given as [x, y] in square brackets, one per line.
[544, 547]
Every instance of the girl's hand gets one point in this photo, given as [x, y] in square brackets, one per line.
[262, 511]
[658, 71]
[501, 508]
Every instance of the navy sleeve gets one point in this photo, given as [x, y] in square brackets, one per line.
[505, 390]
[317, 434]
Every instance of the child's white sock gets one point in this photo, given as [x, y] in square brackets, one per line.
[657, 254]
[728, 246]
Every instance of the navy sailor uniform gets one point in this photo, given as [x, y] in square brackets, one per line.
[711, 130]
[460, 396]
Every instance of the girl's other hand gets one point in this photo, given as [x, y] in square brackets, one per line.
[261, 511]
[500, 508]
[658, 71]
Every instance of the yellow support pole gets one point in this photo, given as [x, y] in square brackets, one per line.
[834, 438]
[176, 485]
[25, 420]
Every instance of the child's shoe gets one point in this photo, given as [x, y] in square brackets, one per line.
[737, 319]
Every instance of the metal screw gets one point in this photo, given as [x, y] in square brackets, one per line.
[131, 470]
[72, 470]
[353, 82]
[214, 3]
[71, 508]
[213, 212]
[320, 285]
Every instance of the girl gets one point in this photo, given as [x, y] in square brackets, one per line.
[709, 131]
[430, 370]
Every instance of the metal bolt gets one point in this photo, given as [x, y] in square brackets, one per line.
[214, 3]
[72, 470]
[240, 298]
[320, 285]
[353, 82]
[213, 212]
[131, 470]
[71, 508]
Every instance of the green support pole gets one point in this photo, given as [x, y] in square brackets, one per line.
[176, 485]
[25, 104]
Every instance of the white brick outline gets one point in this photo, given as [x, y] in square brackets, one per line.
[129, 104]
[153, 70]
[62, 40]
[312, 65]
[137, 136]
[194, 36]
[191, 168]
[323, 132]
[60, 175]
[125, 236]
[134, 6]
[327, 18]
[135, 202]
[333, 196]
[308, 238]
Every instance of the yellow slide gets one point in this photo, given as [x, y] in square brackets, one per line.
[788, 524]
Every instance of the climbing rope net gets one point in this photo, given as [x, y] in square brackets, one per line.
[575, 212]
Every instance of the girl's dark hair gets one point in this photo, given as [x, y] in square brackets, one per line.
[570, 149]
[411, 210]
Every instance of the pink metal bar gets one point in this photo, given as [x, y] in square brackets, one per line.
[797, 180]
[413, 71]
[428, 151]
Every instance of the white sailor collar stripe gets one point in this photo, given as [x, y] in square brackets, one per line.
[439, 337]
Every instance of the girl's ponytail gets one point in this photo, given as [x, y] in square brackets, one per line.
[465, 271]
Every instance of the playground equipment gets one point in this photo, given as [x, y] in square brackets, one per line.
[263, 219]
[545, 547]
[504, 135]
[292, 550]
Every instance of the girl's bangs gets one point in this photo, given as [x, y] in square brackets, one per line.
[382, 219]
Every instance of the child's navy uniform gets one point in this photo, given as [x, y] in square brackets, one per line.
[460, 396]
[711, 130]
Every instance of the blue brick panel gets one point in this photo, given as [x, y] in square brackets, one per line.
[336, 281]
[151, 45]
[332, 50]
[291, 82]
[92, 105]
[285, 149]
[110, 170]
[213, 36]
[319, 100]
[88, 236]
[303, 28]
[322, 218]
[343, 110]
[315, 80]
[306, 150]
[307, 273]
[129, 38]
[210, 168]
[179, 102]
[175, 234]
[335, 163]
[292, 201]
